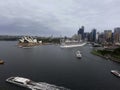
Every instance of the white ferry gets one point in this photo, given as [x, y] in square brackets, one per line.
[78, 54]
[24, 82]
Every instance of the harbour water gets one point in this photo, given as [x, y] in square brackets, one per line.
[58, 66]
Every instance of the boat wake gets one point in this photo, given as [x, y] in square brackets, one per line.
[46, 86]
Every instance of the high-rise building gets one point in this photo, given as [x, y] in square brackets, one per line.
[86, 36]
[108, 35]
[97, 36]
[81, 32]
[117, 34]
[93, 35]
[101, 38]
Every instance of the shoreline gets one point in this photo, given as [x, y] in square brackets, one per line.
[28, 44]
[106, 57]
[34, 44]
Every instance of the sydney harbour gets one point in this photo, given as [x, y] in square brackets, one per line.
[58, 66]
[59, 44]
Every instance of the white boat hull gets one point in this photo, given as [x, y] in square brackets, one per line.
[72, 45]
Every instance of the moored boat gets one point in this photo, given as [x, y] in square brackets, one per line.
[116, 73]
[72, 45]
[1, 62]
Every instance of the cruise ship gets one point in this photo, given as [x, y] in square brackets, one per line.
[27, 83]
[71, 44]
[115, 72]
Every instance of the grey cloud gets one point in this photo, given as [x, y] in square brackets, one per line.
[26, 27]
[57, 17]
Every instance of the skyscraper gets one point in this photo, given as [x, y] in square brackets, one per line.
[101, 38]
[97, 36]
[93, 35]
[108, 35]
[81, 32]
[117, 34]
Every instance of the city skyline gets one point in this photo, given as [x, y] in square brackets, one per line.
[65, 17]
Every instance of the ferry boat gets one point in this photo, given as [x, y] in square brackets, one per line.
[27, 83]
[78, 54]
[115, 72]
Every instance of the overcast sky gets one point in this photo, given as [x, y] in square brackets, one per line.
[57, 17]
